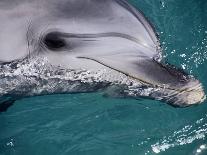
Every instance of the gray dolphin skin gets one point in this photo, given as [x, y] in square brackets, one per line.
[72, 46]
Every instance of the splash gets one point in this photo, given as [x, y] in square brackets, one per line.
[184, 136]
[37, 77]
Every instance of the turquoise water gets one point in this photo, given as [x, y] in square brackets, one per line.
[90, 124]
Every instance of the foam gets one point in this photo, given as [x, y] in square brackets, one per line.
[186, 135]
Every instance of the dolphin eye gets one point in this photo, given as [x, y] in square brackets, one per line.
[54, 41]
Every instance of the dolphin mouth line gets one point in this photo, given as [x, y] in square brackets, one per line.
[194, 94]
[139, 79]
[142, 81]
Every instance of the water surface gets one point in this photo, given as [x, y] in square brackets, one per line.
[90, 124]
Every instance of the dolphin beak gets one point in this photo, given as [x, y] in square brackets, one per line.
[177, 88]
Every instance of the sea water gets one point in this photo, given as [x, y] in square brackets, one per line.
[91, 124]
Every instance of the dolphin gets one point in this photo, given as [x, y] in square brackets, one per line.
[72, 46]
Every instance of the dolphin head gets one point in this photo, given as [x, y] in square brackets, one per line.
[84, 45]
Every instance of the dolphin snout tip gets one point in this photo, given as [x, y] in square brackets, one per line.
[192, 95]
[195, 96]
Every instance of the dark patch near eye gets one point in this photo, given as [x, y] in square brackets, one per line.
[54, 41]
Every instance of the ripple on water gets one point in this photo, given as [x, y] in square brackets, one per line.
[186, 135]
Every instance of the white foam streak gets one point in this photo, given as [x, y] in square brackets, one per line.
[184, 136]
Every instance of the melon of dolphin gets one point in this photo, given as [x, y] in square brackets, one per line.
[69, 46]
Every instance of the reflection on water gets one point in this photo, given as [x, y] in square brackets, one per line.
[186, 135]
